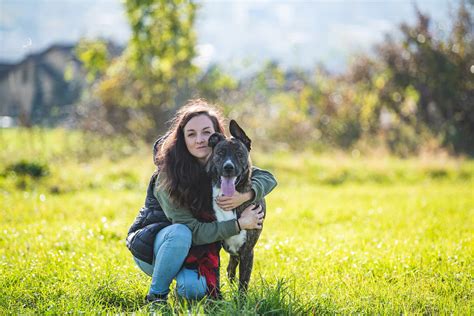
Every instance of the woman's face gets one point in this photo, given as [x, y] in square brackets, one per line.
[196, 134]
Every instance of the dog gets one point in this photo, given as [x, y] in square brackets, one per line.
[230, 169]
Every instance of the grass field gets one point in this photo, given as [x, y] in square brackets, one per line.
[371, 235]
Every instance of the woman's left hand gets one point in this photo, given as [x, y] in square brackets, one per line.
[228, 203]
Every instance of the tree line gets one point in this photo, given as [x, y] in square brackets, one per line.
[415, 92]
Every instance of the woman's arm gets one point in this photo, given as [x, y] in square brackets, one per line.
[263, 182]
[203, 233]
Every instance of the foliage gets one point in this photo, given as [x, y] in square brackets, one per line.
[414, 94]
[28, 168]
[430, 80]
[94, 57]
[154, 72]
[214, 82]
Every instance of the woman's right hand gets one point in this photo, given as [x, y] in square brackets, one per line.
[251, 217]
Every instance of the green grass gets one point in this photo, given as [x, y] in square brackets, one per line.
[373, 235]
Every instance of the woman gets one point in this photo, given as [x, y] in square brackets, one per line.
[178, 209]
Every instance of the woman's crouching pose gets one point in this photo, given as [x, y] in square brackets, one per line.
[176, 235]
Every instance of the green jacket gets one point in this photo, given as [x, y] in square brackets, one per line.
[263, 183]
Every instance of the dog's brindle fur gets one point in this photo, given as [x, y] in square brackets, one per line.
[230, 157]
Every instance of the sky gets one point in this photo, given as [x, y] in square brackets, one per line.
[235, 34]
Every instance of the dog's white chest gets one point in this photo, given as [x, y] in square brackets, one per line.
[231, 244]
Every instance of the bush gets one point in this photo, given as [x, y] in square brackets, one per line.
[28, 168]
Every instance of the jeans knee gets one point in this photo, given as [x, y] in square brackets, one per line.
[191, 286]
[180, 235]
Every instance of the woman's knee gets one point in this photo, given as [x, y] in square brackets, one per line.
[181, 233]
[190, 285]
[178, 235]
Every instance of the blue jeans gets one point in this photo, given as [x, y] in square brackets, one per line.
[171, 248]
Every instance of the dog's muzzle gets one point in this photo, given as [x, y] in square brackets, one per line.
[228, 169]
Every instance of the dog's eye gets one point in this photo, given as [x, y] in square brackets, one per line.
[240, 155]
[221, 152]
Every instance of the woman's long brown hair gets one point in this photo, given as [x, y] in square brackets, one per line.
[186, 180]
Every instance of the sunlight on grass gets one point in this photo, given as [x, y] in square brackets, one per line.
[342, 235]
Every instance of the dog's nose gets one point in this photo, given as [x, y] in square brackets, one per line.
[228, 166]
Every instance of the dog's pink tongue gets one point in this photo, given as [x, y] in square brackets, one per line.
[228, 186]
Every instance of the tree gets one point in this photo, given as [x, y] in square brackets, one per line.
[140, 88]
[437, 73]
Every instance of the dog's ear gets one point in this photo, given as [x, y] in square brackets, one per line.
[239, 133]
[214, 139]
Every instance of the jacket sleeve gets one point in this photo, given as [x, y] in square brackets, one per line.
[263, 182]
[203, 233]
[150, 220]
[151, 212]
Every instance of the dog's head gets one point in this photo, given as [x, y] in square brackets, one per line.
[230, 162]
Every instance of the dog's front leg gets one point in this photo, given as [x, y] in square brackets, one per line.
[231, 267]
[245, 269]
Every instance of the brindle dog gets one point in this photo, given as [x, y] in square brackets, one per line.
[230, 169]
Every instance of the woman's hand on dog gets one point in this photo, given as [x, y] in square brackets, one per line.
[251, 217]
[228, 203]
